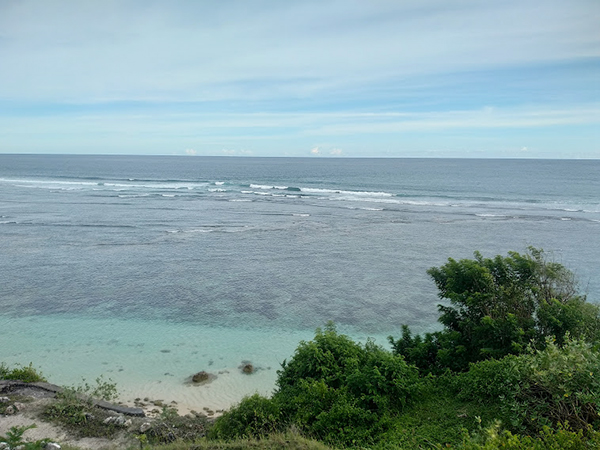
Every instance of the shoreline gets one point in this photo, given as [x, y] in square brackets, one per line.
[150, 359]
[153, 359]
[25, 406]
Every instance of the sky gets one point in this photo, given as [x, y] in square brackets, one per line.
[326, 78]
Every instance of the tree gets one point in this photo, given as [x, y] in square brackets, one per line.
[497, 306]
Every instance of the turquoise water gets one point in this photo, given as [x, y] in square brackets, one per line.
[149, 358]
[149, 269]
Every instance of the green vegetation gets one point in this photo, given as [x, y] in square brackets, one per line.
[333, 389]
[550, 387]
[516, 366]
[171, 427]
[74, 409]
[289, 440]
[499, 307]
[14, 439]
[27, 374]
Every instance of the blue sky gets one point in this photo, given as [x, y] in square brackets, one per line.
[327, 78]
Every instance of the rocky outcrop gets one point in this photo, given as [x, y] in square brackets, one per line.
[247, 367]
[201, 377]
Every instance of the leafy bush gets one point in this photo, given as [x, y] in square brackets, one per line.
[74, 408]
[497, 307]
[378, 379]
[333, 389]
[329, 357]
[255, 416]
[14, 439]
[27, 374]
[493, 438]
[574, 316]
[334, 416]
[102, 389]
[549, 387]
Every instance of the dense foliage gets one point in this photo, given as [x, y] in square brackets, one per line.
[541, 388]
[561, 438]
[497, 307]
[517, 366]
[333, 389]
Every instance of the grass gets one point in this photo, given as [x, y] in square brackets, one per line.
[27, 374]
[276, 441]
[437, 419]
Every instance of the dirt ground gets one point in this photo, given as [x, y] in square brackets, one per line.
[31, 404]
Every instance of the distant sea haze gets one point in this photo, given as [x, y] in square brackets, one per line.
[259, 250]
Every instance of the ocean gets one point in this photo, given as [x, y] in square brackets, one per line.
[147, 269]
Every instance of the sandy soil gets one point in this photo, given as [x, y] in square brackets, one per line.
[30, 410]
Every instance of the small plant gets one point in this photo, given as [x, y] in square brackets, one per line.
[74, 408]
[14, 439]
[103, 390]
[171, 427]
[142, 439]
[168, 413]
[71, 408]
[27, 374]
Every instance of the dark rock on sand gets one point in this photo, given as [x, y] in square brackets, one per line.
[247, 368]
[201, 377]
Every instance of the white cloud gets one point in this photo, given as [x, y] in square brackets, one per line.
[506, 118]
[190, 151]
[236, 152]
[283, 76]
[190, 51]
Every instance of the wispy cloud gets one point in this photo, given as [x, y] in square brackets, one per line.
[209, 74]
[137, 50]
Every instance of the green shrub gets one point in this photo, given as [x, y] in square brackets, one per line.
[378, 379]
[549, 387]
[102, 389]
[333, 389]
[74, 408]
[27, 374]
[255, 416]
[342, 392]
[329, 357]
[562, 385]
[574, 316]
[493, 438]
[14, 439]
[492, 380]
[334, 416]
[497, 306]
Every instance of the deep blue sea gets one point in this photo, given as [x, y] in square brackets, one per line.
[151, 267]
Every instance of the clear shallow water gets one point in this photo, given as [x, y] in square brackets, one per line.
[243, 257]
[148, 358]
